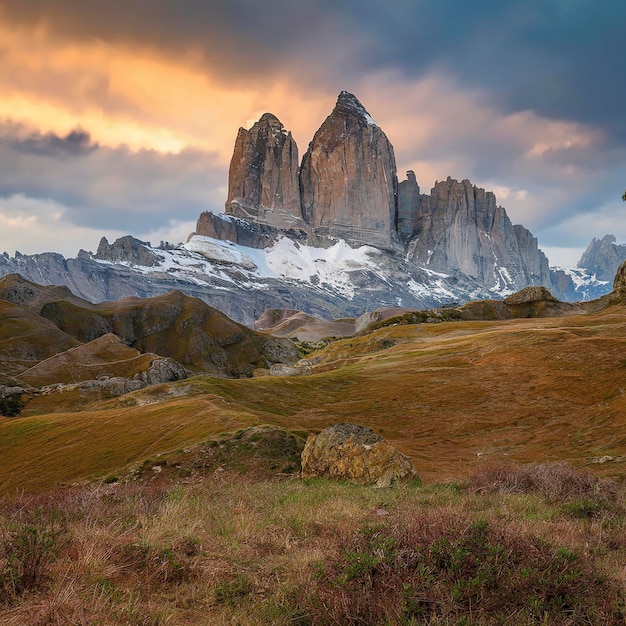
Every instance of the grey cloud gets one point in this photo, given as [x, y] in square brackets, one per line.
[76, 143]
[561, 58]
[108, 188]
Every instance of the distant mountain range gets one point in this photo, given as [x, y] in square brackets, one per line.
[334, 235]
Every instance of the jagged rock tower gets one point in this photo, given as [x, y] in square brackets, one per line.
[348, 179]
[347, 188]
[263, 175]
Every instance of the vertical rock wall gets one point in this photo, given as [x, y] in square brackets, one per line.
[348, 177]
[459, 229]
[263, 175]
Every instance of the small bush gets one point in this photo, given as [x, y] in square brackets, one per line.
[557, 482]
[443, 569]
[11, 405]
[27, 550]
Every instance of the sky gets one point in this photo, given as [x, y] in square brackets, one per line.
[120, 117]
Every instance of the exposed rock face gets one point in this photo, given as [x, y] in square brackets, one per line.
[459, 229]
[355, 453]
[126, 250]
[619, 282]
[162, 371]
[409, 200]
[603, 257]
[348, 177]
[243, 232]
[263, 175]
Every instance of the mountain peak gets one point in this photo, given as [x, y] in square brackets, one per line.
[349, 103]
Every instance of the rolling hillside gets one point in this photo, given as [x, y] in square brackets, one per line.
[449, 395]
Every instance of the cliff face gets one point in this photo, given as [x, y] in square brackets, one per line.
[409, 201]
[263, 175]
[603, 257]
[348, 177]
[347, 188]
[459, 229]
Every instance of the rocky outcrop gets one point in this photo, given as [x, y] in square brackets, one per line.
[162, 371]
[263, 175]
[409, 200]
[530, 294]
[603, 257]
[619, 282]
[459, 229]
[354, 453]
[127, 250]
[243, 232]
[348, 178]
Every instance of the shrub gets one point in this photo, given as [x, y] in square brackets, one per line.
[428, 568]
[557, 482]
[11, 405]
[28, 548]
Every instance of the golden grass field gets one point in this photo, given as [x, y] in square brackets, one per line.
[451, 396]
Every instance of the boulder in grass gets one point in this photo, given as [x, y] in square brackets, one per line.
[355, 453]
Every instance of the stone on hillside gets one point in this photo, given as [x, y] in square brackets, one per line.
[530, 294]
[354, 453]
[619, 283]
[7, 391]
[348, 177]
[162, 371]
[263, 175]
[279, 369]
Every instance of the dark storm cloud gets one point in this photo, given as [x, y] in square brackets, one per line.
[561, 58]
[76, 143]
[106, 188]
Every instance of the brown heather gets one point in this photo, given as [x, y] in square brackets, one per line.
[226, 533]
[223, 548]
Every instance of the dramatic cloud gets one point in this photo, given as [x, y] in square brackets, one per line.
[105, 188]
[124, 114]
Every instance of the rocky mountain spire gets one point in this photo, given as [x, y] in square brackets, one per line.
[408, 205]
[263, 175]
[348, 179]
[602, 257]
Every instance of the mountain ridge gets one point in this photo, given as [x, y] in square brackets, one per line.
[334, 238]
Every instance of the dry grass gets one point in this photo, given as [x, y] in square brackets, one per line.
[452, 396]
[223, 548]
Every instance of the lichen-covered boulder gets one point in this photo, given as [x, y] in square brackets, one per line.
[354, 453]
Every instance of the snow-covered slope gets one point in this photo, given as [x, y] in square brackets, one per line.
[332, 282]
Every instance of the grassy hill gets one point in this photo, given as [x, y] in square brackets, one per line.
[451, 396]
[178, 523]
